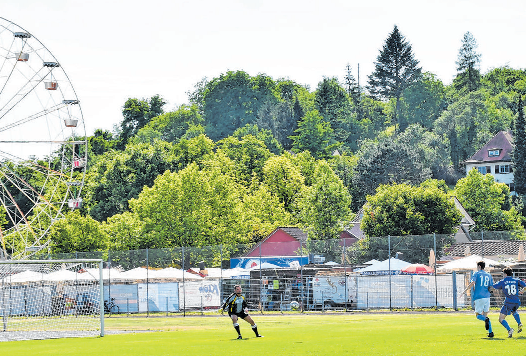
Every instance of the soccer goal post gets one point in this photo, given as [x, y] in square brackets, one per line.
[45, 299]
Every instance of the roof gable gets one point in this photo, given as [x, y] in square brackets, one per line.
[281, 234]
[502, 141]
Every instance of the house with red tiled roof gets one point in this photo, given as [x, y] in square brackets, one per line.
[495, 158]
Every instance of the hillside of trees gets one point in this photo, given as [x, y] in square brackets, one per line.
[247, 154]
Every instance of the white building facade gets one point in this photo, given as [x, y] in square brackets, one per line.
[495, 158]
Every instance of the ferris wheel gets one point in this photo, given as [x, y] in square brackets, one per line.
[43, 146]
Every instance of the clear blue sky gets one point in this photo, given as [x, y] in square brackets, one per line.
[116, 49]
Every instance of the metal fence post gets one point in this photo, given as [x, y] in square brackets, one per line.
[389, 257]
[436, 285]
[147, 288]
[184, 291]
[482, 236]
[454, 275]
[260, 283]
[345, 273]
[302, 291]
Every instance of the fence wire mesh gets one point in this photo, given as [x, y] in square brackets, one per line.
[293, 276]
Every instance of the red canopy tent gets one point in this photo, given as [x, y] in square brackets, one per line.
[417, 268]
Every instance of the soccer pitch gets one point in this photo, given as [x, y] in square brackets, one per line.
[441, 333]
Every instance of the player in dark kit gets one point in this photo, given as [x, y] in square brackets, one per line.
[511, 287]
[237, 308]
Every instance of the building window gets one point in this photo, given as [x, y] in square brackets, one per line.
[504, 168]
[482, 170]
[493, 153]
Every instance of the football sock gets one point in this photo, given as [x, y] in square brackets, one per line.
[517, 318]
[255, 328]
[481, 317]
[236, 326]
[490, 329]
[505, 324]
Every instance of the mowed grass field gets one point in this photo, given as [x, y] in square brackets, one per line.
[441, 333]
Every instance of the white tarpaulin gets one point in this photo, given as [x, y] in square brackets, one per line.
[409, 291]
[393, 265]
[467, 263]
[26, 276]
[140, 273]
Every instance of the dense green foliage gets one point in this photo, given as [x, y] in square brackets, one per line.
[248, 154]
[488, 202]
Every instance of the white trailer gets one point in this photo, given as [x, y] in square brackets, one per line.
[331, 291]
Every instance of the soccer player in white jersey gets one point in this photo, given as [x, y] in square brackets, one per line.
[511, 287]
[237, 308]
[482, 283]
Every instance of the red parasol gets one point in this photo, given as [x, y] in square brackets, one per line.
[418, 268]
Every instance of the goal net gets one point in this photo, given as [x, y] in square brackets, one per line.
[50, 299]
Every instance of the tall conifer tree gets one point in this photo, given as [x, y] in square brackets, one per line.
[519, 152]
[468, 77]
[395, 69]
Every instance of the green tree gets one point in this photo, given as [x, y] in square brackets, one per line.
[351, 85]
[263, 135]
[402, 209]
[248, 154]
[343, 167]
[263, 212]
[414, 217]
[119, 176]
[284, 181]
[395, 69]
[504, 80]
[313, 134]
[423, 101]
[467, 123]
[431, 149]
[192, 207]
[333, 104]
[325, 208]
[519, 151]
[136, 114]
[233, 100]
[487, 202]
[171, 126]
[77, 233]
[126, 232]
[385, 162]
[468, 74]
[101, 142]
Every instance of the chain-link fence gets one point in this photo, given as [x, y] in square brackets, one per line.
[310, 275]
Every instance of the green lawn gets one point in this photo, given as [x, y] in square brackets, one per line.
[405, 334]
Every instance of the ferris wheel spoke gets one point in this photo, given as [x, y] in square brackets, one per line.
[5, 61]
[37, 167]
[20, 94]
[24, 187]
[13, 211]
[35, 116]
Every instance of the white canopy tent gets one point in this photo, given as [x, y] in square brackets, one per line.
[140, 273]
[26, 276]
[467, 263]
[393, 265]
